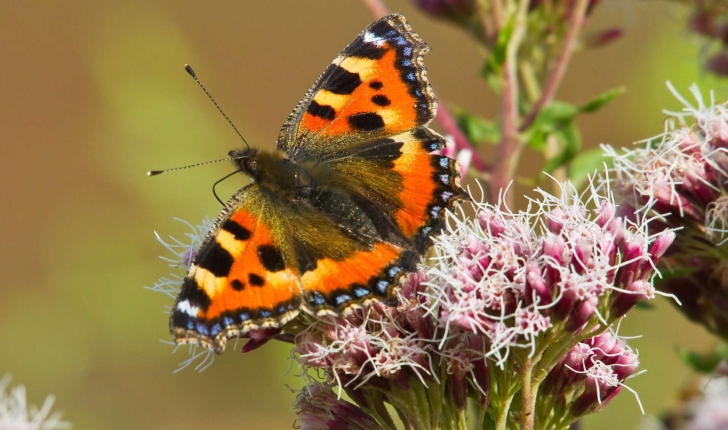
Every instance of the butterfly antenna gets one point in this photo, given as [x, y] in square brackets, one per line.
[215, 184]
[159, 172]
[194, 76]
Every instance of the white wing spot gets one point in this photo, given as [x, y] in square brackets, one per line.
[184, 306]
[370, 37]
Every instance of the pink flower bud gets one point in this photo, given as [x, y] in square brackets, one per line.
[603, 37]
[718, 63]
[596, 395]
[318, 407]
[606, 213]
[582, 255]
[555, 220]
[602, 344]
[625, 364]
[580, 314]
[535, 285]
[312, 351]
[624, 301]
[660, 245]
[490, 224]
[565, 304]
[259, 338]
[633, 254]
[699, 188]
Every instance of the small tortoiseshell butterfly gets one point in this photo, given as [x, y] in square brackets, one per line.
[342, 209]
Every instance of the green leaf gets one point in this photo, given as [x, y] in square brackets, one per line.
[557, 111]
[570, 140]
[500, 50]
[478, 130]
[537, 140]
[493, 66]
[602, 99]
[587, 163]
[701, 363]
[722, 350]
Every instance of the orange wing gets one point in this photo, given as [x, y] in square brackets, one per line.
[241, 279]
[404, 191]
[376, 87]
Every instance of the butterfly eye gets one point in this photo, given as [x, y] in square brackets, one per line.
[253, 165]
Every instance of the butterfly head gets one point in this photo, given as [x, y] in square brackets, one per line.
[274, 171]
[246, 160]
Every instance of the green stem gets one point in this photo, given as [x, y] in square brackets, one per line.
[502, 390]
[439, 398]
[530, 81]
[508, 149]
[423, 405]
[528, 396]
[501, 418]
[562, 61]
[379, 410]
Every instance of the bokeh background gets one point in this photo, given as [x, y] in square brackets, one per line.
[93, 94]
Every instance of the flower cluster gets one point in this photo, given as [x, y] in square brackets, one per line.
[514, 304]
[512, 277]
[679, 177]
[15, 414]
[587, 377]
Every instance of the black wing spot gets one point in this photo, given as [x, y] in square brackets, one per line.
[376, 85]
[366, 121]
[237, 285]
[362, 49]
[191, 292]
[340, 81]
[381, 100]
[215, 259]
[256, 280]
[237, 230]
[321, 111]
[271, 258]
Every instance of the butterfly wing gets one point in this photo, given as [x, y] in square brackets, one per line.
[250, 271]
[377, 86]
[403, 191]
[242, 278]
[361, 132]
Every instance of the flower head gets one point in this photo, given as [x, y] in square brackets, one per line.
[16, 414]
[318, 408]
[679, 178]
[562, 265]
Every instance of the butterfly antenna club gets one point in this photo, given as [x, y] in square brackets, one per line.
[194, 76]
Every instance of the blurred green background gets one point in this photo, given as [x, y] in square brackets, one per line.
[93, 95]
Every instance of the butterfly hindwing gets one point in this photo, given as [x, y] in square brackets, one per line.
[402, 187]
[242, 277]
[377, 86]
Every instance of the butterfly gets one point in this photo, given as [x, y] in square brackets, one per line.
[340, 212]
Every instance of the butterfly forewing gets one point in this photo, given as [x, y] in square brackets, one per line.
[377, 86]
